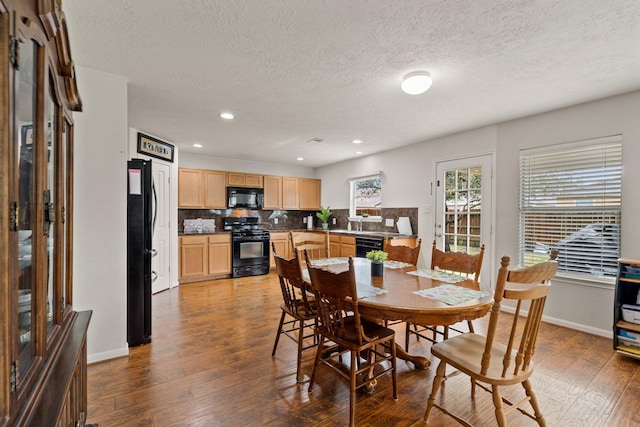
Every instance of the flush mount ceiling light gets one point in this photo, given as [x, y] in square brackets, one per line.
[227, 116]
[416, 83]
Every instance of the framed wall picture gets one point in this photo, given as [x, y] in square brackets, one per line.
[154, 147]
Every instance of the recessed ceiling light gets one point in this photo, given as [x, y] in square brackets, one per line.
[357, 152]
[300, 158]
[227, 116]
[197, 145]
[356, 141]
[416, 83]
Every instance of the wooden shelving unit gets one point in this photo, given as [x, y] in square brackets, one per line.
[626, 292]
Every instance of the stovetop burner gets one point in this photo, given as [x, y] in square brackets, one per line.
[244, 226]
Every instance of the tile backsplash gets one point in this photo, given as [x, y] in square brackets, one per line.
[295, 220]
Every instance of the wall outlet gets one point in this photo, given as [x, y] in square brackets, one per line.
[389, 222]
[275, 221]
[304, 219]
[334, 221]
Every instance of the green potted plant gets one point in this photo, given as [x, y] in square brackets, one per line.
[377, 261]
[324, 215]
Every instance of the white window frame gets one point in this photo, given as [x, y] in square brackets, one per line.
[554, 183]
[352, 198]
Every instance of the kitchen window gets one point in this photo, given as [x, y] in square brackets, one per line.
[570, 199]
[366, 197]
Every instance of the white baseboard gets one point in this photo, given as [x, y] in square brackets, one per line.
[570, 325]
[111, 354]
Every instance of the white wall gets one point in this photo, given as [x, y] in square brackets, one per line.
[101, 152]
[100, 211]
[247, 166]
[408, 172]
[589, 305]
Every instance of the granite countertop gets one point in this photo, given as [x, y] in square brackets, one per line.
[182, 233]
[390, 234]
[379, 234]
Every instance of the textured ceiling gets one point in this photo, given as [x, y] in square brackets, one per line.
[293, 70]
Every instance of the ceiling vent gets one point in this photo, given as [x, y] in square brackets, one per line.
[315, 140]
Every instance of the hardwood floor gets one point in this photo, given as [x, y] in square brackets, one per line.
[210, 364]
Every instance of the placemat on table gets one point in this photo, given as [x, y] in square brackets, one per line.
[450, 294]
[438, 275]
[328, 261]
[396, 264]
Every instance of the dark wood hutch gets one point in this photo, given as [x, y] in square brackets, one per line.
[42, 339]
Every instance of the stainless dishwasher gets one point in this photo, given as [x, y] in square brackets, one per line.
[366, 244]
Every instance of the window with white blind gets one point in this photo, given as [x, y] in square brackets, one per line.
[570, 199]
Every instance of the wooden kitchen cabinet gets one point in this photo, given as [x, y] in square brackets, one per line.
[190, 188]
[239, 179]
[43, 340]
[290, 193]
[272, 192]
[309, 198]
[219, 254]
[283, 247]
[202, 189]
[204, 256]
[193, 257]
[207, 189]
[347, 246]
[215, 190]
[334, 245]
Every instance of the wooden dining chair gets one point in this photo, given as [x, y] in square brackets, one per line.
[486, 360]
[298, 306]
[459, 263]
[315, 243]
[371, 345]
[402, 253]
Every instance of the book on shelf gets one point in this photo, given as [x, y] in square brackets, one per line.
[629, 349]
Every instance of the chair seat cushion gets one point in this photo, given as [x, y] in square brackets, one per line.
[464, 352]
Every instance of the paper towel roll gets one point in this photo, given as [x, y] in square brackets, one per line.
[404, 226]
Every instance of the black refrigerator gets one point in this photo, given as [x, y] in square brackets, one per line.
[140, 223]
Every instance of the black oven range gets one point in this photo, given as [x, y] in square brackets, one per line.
[249, 246]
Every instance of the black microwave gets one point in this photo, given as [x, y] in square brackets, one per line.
[244, 197]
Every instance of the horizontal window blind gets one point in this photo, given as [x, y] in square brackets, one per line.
[570, 199]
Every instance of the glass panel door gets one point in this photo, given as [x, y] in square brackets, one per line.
[25, 140]
[50, 195]
[65, 212]
[463, 208]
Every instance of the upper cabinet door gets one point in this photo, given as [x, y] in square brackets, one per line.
[290, 193]
[272, 192]
[190, 194]
[309, 194]
[215, 191]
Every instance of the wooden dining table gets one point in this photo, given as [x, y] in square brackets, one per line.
[391, 297]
